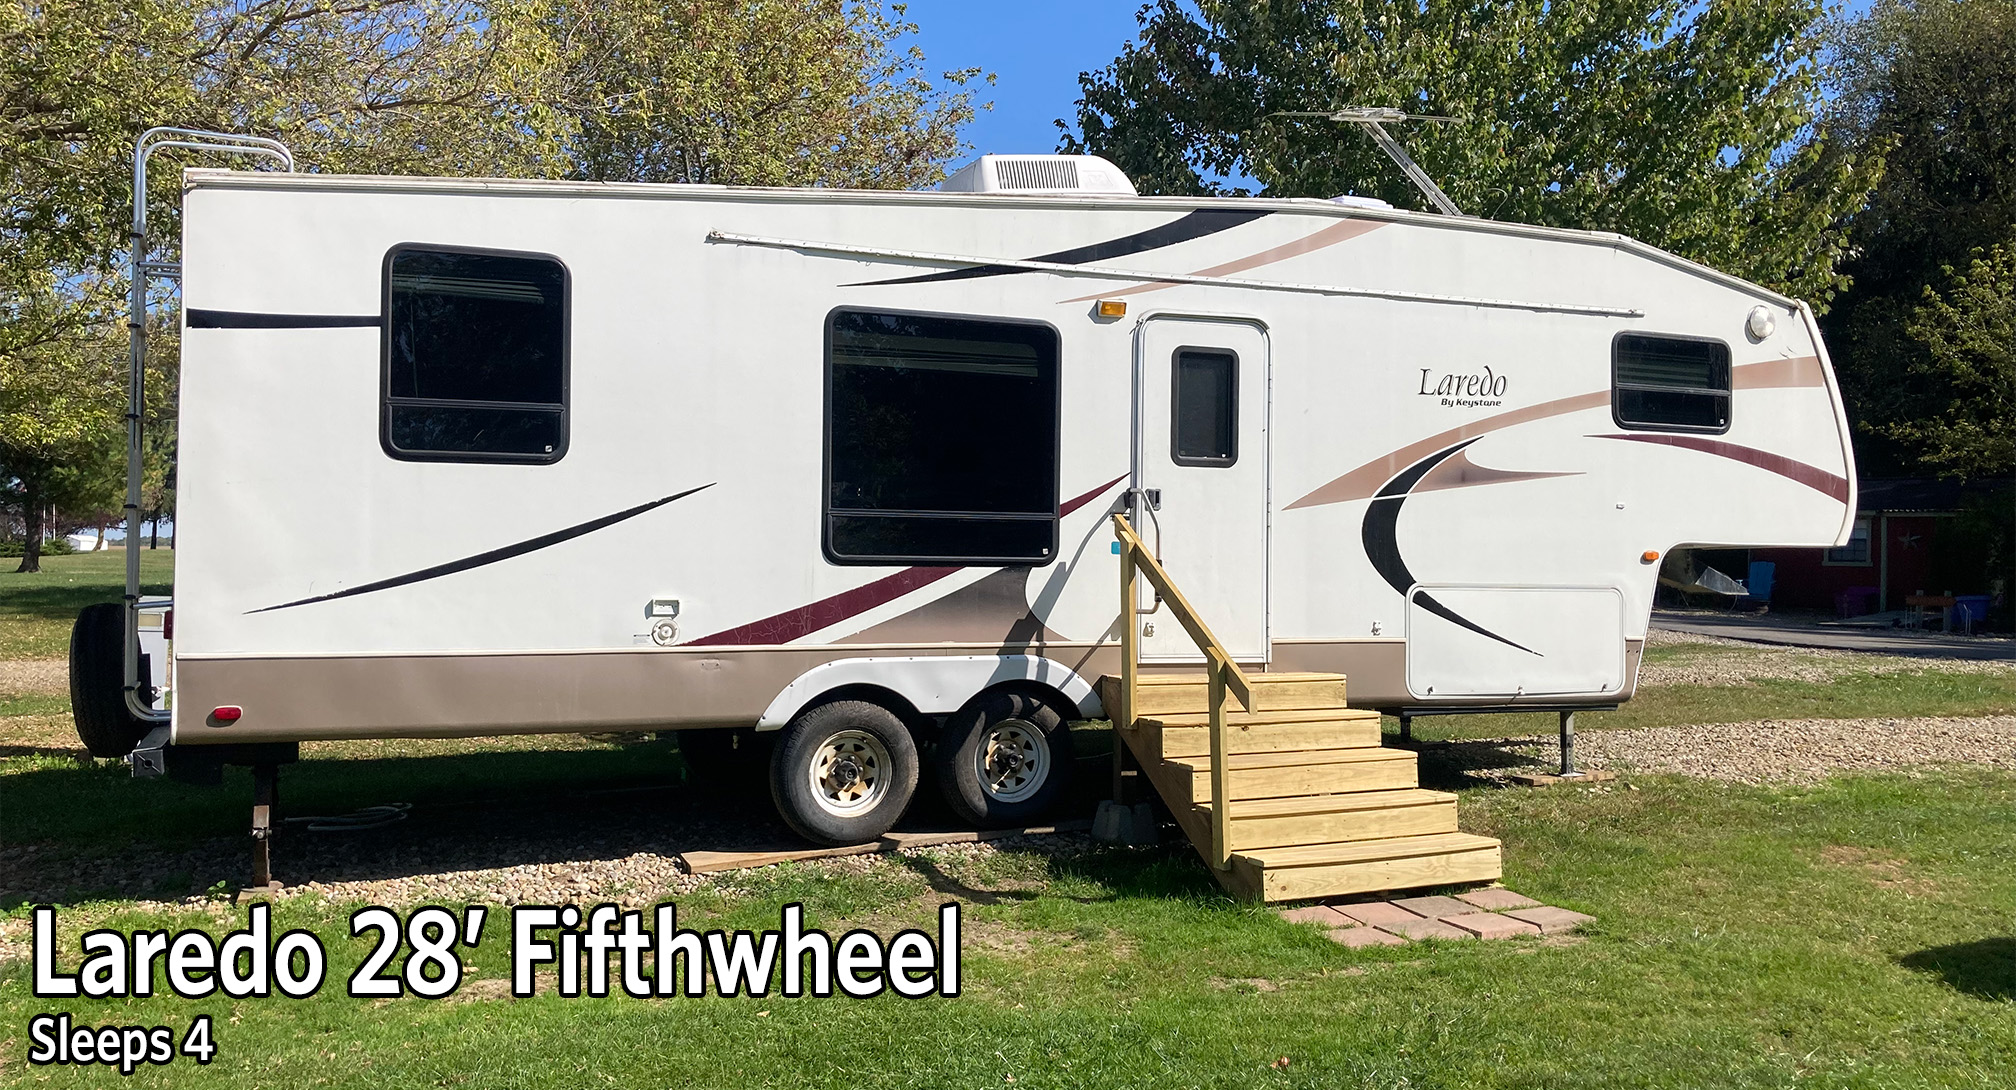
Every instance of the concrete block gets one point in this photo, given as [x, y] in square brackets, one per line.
[1551, 920]
[1377, 913]
[1426, 929]
[1434, 908]
[1132, 825]
[1492, 925]
[1496, 900]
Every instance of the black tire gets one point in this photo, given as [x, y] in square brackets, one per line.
[886, 779]
[736, 758]
[1020, 776]
[98, 682]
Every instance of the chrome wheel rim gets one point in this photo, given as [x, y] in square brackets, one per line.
[849, 773]
[1012, 760]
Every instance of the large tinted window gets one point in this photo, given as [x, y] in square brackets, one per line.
[475, 356]
[941, 438]
[1204, 407]
[1670, 383]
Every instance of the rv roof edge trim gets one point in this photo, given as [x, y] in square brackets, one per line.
[1146, 276]
[225, 178]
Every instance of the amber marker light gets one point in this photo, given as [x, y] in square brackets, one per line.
[1112, 308]
[1649, 555]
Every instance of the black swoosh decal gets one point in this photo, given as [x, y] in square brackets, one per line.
[248, 319]
[1204, 221]
[1382, 542]
[493, 556]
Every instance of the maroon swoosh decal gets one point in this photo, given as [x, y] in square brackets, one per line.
[804, 620]
[1811, 476]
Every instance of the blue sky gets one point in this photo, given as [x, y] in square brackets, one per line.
[1036, 48]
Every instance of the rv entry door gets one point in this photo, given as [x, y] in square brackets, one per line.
[1200, 463]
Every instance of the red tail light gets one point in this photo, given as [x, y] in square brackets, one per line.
[168, 624]
[229, 713]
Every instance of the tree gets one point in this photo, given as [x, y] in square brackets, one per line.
[1932, 85]
[781, 92]
[773, 92]
[59, 407]
[359, 86]
[1967, 367]
[1686, 125]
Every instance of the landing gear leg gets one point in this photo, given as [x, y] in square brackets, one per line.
[265, 800]
[1568, 746]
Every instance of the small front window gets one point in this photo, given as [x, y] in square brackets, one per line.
[475, 356]
[941, 440]
[1670, 383]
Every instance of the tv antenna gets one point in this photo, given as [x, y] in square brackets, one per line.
[1373, 119]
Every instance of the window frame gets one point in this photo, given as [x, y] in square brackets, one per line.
[1616, 409]
[386, 400]
[1175, 405]
[826, 510]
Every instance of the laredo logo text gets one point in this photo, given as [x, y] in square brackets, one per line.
[1483, 388]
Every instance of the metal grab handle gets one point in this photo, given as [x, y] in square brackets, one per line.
[1151, 504]
[159, 138]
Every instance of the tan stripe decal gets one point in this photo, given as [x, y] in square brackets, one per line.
[1328, 236]
[1458, 471]
[1360, 483]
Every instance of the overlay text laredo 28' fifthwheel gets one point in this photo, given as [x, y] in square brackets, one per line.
[843, 773]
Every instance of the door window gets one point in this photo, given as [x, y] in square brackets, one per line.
[1204, 408]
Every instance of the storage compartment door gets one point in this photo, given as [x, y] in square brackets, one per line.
[1471, 641]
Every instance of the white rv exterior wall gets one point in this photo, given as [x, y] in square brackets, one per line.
[699, 364]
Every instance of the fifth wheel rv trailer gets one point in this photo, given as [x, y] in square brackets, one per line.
[484, 457]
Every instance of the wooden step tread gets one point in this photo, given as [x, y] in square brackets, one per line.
[1249, 809]
[1170, 720]
[1368, 851]
[1147, 679]
[1294, 758]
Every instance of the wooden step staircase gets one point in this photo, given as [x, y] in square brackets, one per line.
[1318, 807]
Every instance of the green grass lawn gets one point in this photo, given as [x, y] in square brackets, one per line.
[1859, 934]
[1892, 688]
[36, 610]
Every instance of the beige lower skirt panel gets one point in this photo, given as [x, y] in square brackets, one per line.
[310, 698]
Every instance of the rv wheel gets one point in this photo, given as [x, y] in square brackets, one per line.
[844, 772]
[98, 682]
[1003, 760]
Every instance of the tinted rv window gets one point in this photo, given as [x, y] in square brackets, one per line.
[941, 440]
[475, 356]
[1205, 408]
[1670, 383]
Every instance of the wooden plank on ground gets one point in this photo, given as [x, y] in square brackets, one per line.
[709, 862]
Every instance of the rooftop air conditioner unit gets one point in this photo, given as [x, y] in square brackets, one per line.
[1051, 174]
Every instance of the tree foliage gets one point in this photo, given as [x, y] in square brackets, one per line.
[770, 92]
[1967, 368]
[777, 92]
[1932, 85]
[1683, 124]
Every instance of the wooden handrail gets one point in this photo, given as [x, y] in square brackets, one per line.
[1224, 675]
